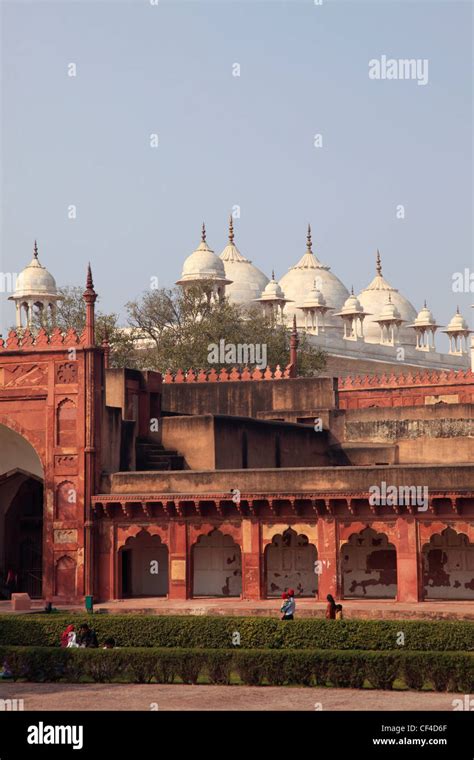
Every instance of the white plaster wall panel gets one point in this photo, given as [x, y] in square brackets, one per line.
[448, 566]
[290, 562]
[368, 566]
[217, 566]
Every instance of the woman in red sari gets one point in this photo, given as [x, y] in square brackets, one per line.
[331, 608]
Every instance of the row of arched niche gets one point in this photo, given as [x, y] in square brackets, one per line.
[368, 566]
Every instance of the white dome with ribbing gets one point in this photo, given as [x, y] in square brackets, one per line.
[247, 281]
[374, 299]
[303, 277]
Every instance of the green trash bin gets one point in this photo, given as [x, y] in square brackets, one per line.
[89, 603]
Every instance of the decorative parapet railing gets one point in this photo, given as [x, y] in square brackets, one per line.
[430, 378]
[228, 375]
[24, 339]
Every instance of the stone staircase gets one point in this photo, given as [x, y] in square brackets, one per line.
[153, 456]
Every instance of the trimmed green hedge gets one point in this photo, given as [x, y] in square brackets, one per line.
[255, 633]
[452, 671]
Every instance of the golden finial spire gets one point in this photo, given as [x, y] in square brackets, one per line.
[379, 263]
[308, 239]
[35, 250]
[203, 233]
[231, 230]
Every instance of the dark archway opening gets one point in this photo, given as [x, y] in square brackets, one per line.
[143, 566]
[23, 538]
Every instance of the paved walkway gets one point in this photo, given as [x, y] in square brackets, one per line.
[181, 697]
[373, 609]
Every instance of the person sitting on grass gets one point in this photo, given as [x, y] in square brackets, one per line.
[65, 636]
[338, 611]
[87, 637]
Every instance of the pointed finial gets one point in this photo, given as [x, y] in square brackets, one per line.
[352, 290]
[390, 298]
[203, 233]
[231, 230]
[308, 239]
[35, 251]
[273, 274]
[379, 263]
[424, 305]
[457, 309]
[89, 281]
[294, 325]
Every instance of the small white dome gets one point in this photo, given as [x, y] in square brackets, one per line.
[389, 312]
[314, 298]
[203, 264]
[299, 280]
[457, 323]
[352, 306]
[272, 291]
[247, 281]
[425, 318]
[35, 280]
[373, 299]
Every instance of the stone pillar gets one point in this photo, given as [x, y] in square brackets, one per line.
[328, 557]
[294, 342]
[407, 560]
[252, 558]
[90, 297]
[179, 582]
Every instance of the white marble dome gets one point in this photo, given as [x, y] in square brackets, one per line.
[300, 279]
[247, 281]
[314, 298]
[374, 299]
[389, 311]
[425, 318]
[457, 323]
[352, 305]
[203, 264]
[35, 280]
[272, 291]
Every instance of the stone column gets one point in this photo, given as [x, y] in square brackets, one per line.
[179, 582]
[328, 557]
[90, 297]
[407, 560]
[252, 558]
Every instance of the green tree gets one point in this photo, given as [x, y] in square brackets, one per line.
[178, 327]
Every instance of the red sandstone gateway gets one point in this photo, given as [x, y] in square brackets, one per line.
[92, 503]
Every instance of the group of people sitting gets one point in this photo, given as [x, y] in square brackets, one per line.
[85, 637]
[288, 607]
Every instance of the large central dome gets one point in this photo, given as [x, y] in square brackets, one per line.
[301, 279]
[247, 281]
[374, 299]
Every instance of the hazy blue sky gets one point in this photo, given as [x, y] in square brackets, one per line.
[226, 140]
